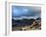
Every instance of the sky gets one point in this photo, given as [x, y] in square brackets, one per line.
[26, 11]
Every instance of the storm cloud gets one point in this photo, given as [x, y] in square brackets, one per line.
[27, 11]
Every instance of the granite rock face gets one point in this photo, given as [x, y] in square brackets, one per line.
[27, 24]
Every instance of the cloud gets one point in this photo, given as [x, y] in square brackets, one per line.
[18, 11]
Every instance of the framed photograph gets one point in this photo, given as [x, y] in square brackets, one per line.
[23, 17]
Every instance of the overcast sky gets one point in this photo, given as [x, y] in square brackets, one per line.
[27, 11]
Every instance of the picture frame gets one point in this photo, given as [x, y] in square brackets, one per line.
[8, 22]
